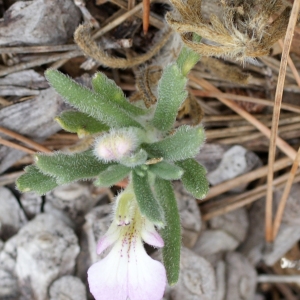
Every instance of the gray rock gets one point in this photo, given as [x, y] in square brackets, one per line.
[8, 255]
[9, 289]
[240, 277]
[71, 202]
[39, 22]
[235, 223]
[196, 280]
[67, 288]
[236, 161]
[31, 203]
[220, 270]
[254, 248]
[27, 78]
[11, 215]
[33, 118]
[213, 243]
[46, 250]
[23, 83]
[211, 155]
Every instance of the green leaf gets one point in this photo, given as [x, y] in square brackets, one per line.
[108, 89]
[171, 94]
[70, 167]
[187, 59]
[35, 180]
[171, 233]
[184, 143]
[136, 159]
[112, 175]
[88, 102]
[148, 205]
[194, 178]
[166, 170]
[80, 123]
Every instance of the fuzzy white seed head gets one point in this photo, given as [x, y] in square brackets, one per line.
[116, 144]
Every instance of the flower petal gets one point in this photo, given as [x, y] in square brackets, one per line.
[151, 236]
[109, 238]
[146, 277]
[108, 277]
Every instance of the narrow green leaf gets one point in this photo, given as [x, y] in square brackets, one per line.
[171, 233]
[70, 167]
[171, 94]
[80, 123]
[108, 89]
[187, 59]
[194, 178]
[88, 102]
[35, 180]
[166, 170]
[136, 159]
[148, 205]
[112, 175]
[184, 143]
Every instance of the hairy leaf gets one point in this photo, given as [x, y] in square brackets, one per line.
[88, 102]
[187, 59]
[171, 232]
[108, 89]
[148, 204]
[70, 167]
[35, 180]
[112, 175]
[171, 94]
[194, 179]
[166, 170]
[134, 160]
[184, 143]
[80, 123]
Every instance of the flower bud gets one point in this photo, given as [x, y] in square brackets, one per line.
[117, 144]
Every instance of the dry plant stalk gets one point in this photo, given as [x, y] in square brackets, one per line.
[283, 145]
[285, 195]
[23, 139]
[193, 108]
[84, 40]
[243, 33]
[275, 119]
[147, 79]
[225, 71]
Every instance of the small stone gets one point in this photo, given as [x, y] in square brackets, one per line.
[46, 250]
[254, 247]
[39, 22]
[236, 161]
[71, 202]
[9, 289]
[31, 203]
[213, 243]
[235, 223]
[67, 288]
[196, 280]
[240, 277]
[12, 217]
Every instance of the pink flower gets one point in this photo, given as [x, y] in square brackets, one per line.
[127, 272]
